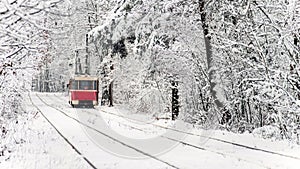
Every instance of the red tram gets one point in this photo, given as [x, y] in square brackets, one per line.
[83, 91]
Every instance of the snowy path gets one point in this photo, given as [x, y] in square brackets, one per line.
[89, 132]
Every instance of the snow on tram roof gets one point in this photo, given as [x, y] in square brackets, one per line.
[85, 78]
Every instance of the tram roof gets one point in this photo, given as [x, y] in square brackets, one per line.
[85, 78]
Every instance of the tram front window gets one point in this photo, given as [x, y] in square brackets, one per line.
[85, 85]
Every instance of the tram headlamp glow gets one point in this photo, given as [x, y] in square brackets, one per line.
[75, 102]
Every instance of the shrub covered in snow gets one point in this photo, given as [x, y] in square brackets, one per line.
[268, 131]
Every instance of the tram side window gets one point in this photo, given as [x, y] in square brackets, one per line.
[74, 85]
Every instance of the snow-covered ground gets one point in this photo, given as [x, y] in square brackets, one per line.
[153, 144]
[42, 147]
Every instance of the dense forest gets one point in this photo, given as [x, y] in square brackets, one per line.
[230, 64]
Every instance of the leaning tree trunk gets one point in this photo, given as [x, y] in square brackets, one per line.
[214, 86]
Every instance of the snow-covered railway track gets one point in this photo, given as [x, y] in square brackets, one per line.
[198, 135]
[185, 143]
[65, 138]
[255, 162]
[202, 148]
[102, 133]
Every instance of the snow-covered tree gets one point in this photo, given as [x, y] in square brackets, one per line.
[23, 50]
[156, 42]
[255, 46]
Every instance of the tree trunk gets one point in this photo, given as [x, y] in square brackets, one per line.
[175, 100]
[110, 91]
[249, 110]
[215, 93]
[261, 117]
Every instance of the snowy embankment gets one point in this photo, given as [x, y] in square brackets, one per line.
[43, 147]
